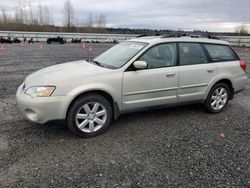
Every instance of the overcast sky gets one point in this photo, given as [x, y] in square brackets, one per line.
[211, 15]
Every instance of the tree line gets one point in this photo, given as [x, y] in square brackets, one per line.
[29, 17]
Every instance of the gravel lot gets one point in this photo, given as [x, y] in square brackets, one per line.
[176, 147]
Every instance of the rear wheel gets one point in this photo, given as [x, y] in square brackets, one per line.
[218, 98]
[89, 115]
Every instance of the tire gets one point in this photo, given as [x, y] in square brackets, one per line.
[86, 121]
[218, 98]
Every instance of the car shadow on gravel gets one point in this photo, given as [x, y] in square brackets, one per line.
[54, 128]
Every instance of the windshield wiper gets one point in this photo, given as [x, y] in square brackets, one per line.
[97, 63]
[103, 65]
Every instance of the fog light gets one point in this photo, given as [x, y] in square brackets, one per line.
[31, 115]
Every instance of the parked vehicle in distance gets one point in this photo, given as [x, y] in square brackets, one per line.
[55, 40]
[95, 41]
[111, 40]
[5, 40]
[76, 40]
[16, 40]
[31, 41]
[146, 72]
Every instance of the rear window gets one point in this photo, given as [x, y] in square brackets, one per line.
[220, 52]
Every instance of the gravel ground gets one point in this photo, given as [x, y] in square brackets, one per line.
[175, 147]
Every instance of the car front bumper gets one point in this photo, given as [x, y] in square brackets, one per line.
[41, 109]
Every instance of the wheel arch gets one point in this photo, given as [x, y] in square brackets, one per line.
[227, 82]
[108, 96]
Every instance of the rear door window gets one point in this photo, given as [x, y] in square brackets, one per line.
[192, 54]
[220, 52]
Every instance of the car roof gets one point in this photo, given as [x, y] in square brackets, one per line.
[161, 39]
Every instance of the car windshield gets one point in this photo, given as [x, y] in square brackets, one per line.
[119, 55]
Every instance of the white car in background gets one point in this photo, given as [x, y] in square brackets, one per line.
[136, 74]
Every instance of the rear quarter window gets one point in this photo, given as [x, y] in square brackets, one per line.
[220, 52]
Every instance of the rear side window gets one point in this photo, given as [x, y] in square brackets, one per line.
[192, 54]
[220, 52]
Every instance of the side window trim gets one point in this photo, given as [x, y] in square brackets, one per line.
[178, 54]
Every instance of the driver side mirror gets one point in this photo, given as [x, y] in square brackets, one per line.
[140, 64]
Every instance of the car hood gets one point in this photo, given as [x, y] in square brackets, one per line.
[65, 72]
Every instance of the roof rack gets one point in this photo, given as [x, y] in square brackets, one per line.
[139, 36]
[173, 36]
[188, 35]
[145, 35]
[179, 35]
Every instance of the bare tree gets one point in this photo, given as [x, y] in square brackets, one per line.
[17, 16]
[89, 21]
[31, 15]
[101, 22]
[69, 13]
[47, 17]
[20, 10]
[96, 21]
[40, 14]
[4, 16]
[242, 30]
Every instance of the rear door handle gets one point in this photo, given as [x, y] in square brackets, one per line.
[169, 75]
[210, 70]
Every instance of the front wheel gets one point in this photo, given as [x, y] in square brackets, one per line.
[218, 98]
[89, 115]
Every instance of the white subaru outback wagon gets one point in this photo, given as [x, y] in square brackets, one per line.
[140, 73]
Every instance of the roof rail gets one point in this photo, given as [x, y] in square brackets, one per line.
[180, 35]
[145, 35]
[174, 35]
[139, 36]
[189, 35]
[213, 37]
[204, 36]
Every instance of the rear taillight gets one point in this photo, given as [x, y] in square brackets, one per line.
[243, 65]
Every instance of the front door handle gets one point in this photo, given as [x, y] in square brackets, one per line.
[210, 70]
[169, 75]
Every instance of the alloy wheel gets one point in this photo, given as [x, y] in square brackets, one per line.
[91, 117]
[219, 98]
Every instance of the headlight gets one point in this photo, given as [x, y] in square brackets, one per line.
[40, 91]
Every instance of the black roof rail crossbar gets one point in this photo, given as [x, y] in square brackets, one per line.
[173, 36]
[205, 36]
[188, 35]
[142, 36]
[180, 35]
[213, 37]
[145, 35]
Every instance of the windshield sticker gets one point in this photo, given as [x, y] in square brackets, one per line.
[136, 46]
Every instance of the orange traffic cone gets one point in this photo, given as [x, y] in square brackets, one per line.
[2, 48]
[40, 46]
[90, 49]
